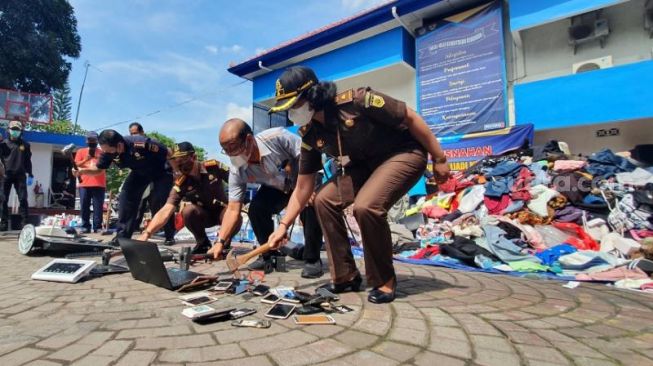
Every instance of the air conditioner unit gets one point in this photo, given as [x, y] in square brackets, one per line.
[594, 64]
[587, 28]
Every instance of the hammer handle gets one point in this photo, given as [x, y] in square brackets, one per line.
[242, 259]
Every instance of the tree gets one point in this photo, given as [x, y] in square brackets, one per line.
[35, 38]
[62, 104]
[62, 127]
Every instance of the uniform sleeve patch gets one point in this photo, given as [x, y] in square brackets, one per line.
[306, 146]
[210, 163]
[345, 97]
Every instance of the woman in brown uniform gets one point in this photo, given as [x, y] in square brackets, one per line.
[380, 147]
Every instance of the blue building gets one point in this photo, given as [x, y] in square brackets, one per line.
[579, 71]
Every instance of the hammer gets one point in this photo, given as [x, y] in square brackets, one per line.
[234, 262]
[68, 151]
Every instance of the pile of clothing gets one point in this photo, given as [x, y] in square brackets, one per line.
[543, 211]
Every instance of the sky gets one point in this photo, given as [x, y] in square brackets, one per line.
[150, 57]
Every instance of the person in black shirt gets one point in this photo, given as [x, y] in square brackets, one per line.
[146, 158]
[17, 157]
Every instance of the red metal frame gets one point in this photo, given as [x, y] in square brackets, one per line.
[28, 96]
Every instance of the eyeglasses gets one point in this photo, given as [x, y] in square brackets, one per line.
[234, 148]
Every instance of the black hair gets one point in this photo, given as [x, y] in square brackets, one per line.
[110, 137]
[138, 126]
[245, 130]
[322, 95]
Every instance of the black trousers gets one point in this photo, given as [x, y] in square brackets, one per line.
[270, 201]
[19, 182]
[148, 203]
[130, 200]
[88, 195]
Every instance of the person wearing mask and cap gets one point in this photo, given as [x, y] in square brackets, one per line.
[17, 157]
[146, 159]
[270, 159]
[200, 186]
[91, 187]
[380, 146]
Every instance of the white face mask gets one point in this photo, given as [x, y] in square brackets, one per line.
[238, 161]
[301, 116]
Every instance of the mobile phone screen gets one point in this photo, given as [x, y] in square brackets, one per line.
[270, 298]
[281, 310]
[199, 300]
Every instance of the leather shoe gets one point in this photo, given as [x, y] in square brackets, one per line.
[262, 264]
[312, 270]
[377, 296]
[338, 288]
[200, 248]
[173, 241]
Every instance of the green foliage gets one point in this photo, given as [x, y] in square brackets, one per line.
[170, 142]
[62, 104]
[35, 38]
[62, 127]
[115, 177]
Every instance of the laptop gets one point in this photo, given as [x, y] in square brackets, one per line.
[146, 264]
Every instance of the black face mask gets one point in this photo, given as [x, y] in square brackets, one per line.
[91, 149]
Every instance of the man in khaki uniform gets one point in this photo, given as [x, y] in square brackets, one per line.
[200, 185]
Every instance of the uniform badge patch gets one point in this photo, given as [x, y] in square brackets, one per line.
[349, 123]
[21, 148]
[377, 101]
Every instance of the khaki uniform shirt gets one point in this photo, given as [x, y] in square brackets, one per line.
[203, 186]
[371, 130]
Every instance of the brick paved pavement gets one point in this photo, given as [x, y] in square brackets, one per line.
[443, 317]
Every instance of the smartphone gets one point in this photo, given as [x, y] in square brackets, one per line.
[314, 319]
[270, 299]
[198, 298]
[222, 286]
[261, 290]
[259, 323]
[240, 313]
[326, 293]
[289, 296]
[342, 309]
[280, 311]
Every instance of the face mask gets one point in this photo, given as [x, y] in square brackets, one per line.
[14, 134]
[301, 116]
[238, 160]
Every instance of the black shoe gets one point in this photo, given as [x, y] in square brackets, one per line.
[85, 230]
[313, 270]
[377, 296]
[262, 264]
[200, 248]
[353, 285]
[4, 226]
[172, 242]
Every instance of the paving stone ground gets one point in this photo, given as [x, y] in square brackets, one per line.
[442, 317]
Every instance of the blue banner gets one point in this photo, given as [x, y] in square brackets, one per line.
[463, 152]
[460, 72]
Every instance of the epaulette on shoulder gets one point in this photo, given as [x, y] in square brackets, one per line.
[211, 163]
[345, 97]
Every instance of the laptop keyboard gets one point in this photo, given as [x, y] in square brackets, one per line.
[179, 278]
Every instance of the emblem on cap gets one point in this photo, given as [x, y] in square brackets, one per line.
[377, 101]
[279, 88]
[320, 143]
[349, 123]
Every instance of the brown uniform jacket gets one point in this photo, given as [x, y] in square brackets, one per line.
[203, 186]
[371, 129]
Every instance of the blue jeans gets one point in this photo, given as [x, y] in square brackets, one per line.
[86, 196]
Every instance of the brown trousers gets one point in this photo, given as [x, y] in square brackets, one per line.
[197, 219]
[377, 186]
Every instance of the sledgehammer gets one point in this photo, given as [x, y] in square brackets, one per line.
[234, 262]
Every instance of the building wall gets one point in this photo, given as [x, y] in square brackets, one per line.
[547, 53]
[42, 169]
